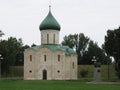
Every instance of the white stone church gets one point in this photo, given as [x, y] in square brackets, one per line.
[50, 60]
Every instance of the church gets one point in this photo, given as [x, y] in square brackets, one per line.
[50, 60]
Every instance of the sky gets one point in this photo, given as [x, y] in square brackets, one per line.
[21, 18]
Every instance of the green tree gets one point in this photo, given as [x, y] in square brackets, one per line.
[85, 48]
[9, 49]
[20, 56]
[94, 51]
[69, 41]
[112, 46]
[79, 42]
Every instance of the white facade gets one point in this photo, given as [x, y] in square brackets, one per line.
[57, 65]
[49, 37]
[50, 61]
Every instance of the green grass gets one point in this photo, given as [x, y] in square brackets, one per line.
[54, 85]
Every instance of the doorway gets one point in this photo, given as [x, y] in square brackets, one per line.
[44, 74]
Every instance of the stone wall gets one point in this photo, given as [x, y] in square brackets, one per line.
[29, 65]
[57, 69]
[51, 35]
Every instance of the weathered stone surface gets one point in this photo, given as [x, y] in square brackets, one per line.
[97, 74]
[56, 70]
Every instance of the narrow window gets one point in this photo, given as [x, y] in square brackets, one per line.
[47, 38]
[31, 58]
[42, 38]
[58, 58]
[45, 58]
[73, 65]
[54, 38]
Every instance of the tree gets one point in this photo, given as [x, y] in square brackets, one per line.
[9, 50]
[94, 51]
[85, 48]
[20, 56]
[69, 41]
[112, 46]
[79, 42]
[1, 33]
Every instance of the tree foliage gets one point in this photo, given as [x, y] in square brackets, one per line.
[95, 51]
[78, 42]
[69, 40]
[112, 46]
[9, 49]
[85, 48]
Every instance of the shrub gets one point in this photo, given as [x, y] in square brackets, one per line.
[83, 73]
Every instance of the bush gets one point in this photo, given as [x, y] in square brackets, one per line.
[83, 73]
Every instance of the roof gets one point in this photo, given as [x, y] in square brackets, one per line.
[55, 47]
[49, 23]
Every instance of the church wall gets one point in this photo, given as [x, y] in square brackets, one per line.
[58, 65]
[50, 64]
[51, 34]
[73, 67]
[70, 69]
[29, 64]
[43, 64]
[67, 67]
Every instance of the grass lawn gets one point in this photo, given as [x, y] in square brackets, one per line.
[54, 85]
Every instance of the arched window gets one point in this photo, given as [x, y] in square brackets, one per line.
[54, 38]
[45, 58]
[41, 37]
[47, 38]
[59, 58]
[30, 57]
[73, 65]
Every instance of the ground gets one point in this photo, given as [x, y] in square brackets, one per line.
[55, 85]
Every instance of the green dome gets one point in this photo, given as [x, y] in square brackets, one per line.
[49, 23]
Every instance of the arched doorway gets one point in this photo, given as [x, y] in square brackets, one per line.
[44, 74]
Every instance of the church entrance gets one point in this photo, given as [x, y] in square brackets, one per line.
[44, 74]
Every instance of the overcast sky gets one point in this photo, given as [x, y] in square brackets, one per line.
[21, 18]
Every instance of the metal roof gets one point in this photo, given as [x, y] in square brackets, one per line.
[55, 47]
[49, 23]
